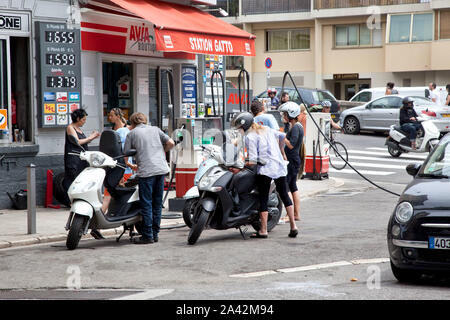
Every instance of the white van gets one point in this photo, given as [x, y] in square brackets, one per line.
[367, 95]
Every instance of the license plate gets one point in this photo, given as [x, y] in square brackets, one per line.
[439, 243]
[333, 116]
[446, 115]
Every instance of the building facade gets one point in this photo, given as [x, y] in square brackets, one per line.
[60, 55]
[345, 45]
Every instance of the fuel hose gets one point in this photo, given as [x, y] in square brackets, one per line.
[286, 74]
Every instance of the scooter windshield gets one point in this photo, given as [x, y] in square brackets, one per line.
[233, 148]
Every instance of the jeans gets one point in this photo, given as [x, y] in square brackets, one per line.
[411, 128]
[151, 191]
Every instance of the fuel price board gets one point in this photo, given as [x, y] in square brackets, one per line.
[59, 66]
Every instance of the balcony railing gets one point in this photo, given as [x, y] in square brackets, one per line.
[335, 4]
[230, 6]
[275, 6]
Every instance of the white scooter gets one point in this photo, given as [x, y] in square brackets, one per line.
[398, 141]
[192, 196]
[106, 167]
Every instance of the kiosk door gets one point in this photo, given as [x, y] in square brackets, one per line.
[161, 111]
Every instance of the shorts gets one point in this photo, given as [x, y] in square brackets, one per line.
[293, 170]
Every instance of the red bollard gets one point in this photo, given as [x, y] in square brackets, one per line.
[49, 193]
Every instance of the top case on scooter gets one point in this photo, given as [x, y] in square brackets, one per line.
[111, 145]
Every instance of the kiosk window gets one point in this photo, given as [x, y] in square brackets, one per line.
[117, 88]
[15, 100]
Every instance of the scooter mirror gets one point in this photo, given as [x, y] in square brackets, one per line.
[130, 153]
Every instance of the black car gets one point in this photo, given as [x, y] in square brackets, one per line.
[311, 97]
[418, 233]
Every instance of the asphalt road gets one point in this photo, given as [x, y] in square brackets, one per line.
[341, 253]
[368, 154]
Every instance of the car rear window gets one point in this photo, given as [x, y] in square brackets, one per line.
[320, 96]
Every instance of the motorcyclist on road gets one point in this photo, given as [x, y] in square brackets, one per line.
[408, 120]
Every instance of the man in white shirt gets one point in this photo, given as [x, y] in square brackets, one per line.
[434, 95]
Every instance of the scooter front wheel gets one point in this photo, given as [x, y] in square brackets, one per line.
[188, 211]
[198, 227]
[75, 232]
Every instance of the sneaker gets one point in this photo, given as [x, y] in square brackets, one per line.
[155, 238]
[143, 240]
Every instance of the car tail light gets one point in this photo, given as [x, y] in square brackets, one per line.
[429, 113]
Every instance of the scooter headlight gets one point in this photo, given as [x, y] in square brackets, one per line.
[207, 181]
[97, 160]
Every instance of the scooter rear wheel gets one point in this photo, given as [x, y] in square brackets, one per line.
[395, 152]
[198, 226]
[75, 232]
[272, 219]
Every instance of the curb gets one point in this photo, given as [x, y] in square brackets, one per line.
[4, 244]
[337, 183]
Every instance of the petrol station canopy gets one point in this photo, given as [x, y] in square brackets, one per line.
[180, 28]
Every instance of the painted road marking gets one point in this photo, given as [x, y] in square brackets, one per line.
[146, 295]
[311, 267]
[371, 165]
[422, 157]
[397, 160]
[365, 172]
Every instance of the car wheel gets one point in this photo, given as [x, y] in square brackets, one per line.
[351, 125]
[404, 275]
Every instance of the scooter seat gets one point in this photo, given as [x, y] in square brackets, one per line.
[399, 129]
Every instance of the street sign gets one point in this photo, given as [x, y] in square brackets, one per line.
[268, 63]
[3, 119]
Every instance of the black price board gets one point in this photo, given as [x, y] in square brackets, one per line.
[59, 70]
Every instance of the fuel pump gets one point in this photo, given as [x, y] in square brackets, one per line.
[219, 113]
[246, 84]
[317, 159]
[199, 129]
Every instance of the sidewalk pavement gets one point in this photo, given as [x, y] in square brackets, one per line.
[50, 223]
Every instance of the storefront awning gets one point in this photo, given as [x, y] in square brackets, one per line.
[180, 28]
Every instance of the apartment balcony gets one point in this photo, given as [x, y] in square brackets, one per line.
[230, 6]
[275, 6]
[340, 4]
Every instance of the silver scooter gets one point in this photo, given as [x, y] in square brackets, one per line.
[106, 168]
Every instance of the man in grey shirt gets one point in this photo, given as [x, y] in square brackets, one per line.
[151, 145]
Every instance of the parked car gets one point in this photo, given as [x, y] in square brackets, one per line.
[367, 95]
[311, 97]
[381, 113]
[418, 233]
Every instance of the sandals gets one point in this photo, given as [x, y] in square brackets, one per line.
[293, 233]
[258, 235]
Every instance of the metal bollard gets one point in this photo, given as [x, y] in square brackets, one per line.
[31, 198]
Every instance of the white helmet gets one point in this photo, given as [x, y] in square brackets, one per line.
[291, 108]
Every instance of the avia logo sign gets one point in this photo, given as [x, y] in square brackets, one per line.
[233, 98]
[141, 38]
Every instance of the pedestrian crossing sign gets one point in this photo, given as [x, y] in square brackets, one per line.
[3, 119]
